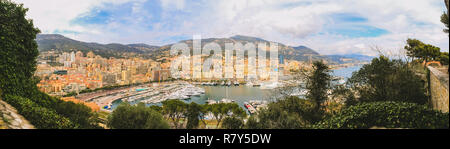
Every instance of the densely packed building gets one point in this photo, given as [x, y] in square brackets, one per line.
[66, 72]
[74, 72]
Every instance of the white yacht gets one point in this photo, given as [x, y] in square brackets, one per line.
[269, 85]
[229, 83]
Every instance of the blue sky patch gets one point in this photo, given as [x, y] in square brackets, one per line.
[65, 32]
[357, 31]
[95, 16]
[352, 25]
[348, 17]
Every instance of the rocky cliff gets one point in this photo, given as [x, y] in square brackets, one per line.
[10, 119]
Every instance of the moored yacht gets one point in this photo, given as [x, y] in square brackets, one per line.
[229, 83]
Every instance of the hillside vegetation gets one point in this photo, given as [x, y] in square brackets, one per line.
[18, 85]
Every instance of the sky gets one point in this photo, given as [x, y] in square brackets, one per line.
[327, 26]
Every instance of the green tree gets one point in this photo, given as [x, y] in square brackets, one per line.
[18, 63]
[157, 108]
[275, 117]
[444, 17]
[388, 80]
[193, 115]
[318, 83]
[289, 113]
[232, 122]
[429, 53]
[18, 50]
[126, 116]
[219, 111]
[343, 93]
[78, 113]
[175, 110]
[417, 49]
[302, 107]
[205, 110]
[386, 114]
[252, 123]
[222, 110]
[237, 111]
[443, 58]
[413, 47]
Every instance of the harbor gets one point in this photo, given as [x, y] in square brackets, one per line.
[200, 94]
[251, 96]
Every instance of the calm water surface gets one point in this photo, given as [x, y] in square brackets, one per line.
[244, 93]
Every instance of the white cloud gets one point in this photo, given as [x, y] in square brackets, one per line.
[55, 15]
[293, 22]
[299, 23]
[172, 4]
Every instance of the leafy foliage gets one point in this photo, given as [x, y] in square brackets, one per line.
[58, 42]
[252, 123]
[426, 52]
[290, 113]
[277, 118]
[444, 17]
[18, 50]
[341, 92]
[18, 63]
[193, 115]
[443, 58]
[205, 109]
[318, 83]
[222, 110]
[387, 114]
[175, 110]
[39, 116]
[232, 122]
[388, 80]
[78, 113]
[126, 116]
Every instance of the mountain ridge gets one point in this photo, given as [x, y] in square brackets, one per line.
[59, 42]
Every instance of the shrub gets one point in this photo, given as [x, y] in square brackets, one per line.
[81, 115]
[17, 66]
[127, 116]
[18, 49]
[388, 80]
[232, 123]
[39, 116]
[289, 113]
[387, 114]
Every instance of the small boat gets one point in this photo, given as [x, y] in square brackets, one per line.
[269, 85]
[224, 100]
[209, 101]
[256, 85]
[249, 107]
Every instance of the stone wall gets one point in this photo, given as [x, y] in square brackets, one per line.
[439, 83]
[10, 119]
